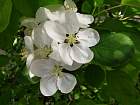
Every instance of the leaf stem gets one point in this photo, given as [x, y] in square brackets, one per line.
[93, 11]
[109, 9]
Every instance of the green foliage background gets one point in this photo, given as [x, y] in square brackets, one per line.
[112, 78]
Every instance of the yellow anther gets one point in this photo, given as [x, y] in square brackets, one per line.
[42, 53]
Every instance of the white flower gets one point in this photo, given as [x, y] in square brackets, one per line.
[68, 11]
[35, 53]
[73, 42]
[52, 77]
[34, 28]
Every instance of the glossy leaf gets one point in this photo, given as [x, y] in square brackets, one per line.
[114, 49]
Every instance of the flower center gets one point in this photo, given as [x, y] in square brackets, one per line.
[24, 53]
[71, 39]
[42, 53]
[57, 71]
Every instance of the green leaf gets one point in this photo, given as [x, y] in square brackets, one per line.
[113, 25]
[98, 3]
[26, 7]
[54, 7]
[5, 95]
[87, 7]
[7, 36]
[114, 49]
[120, 87]
[83, 101]
[135, 3]
[49, 2]
[3, 60]
[5, 13]
[133, 68]
[112, 2]
[94, 76]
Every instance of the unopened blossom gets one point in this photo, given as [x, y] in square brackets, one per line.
[52, 76]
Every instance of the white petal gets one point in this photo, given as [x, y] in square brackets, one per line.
[41, 14]
[66, 83]
[84, 20]
[71, 23]
[55, 54]
[42, 67]
[72, 67]
[70, 5]
[55, 30]
[64, 50]
[58, 16]
[28, 43]
[48, 85]
[40, 37]
[29, 23]
[29, 60]
[88, 37]
[81, 54]
[30, 74]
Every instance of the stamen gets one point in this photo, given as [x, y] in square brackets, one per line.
[71, 39]
[42, 53]
[57, 71]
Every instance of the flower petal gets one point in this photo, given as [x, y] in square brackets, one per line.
[28, 43]
[70, 5]
[30, 74]
[66, 83]
[88, 37]
[84, 20]
[72, 67]
[41, 15]
[55, 54]
[64, 50]
[29, 23]
[42, 67]
[81, 54]
[40, 37]
[71, 23]
[29, 60]
[55, 30]
[58, 16]
[48, 85]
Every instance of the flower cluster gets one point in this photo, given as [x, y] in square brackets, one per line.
[56, 41]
